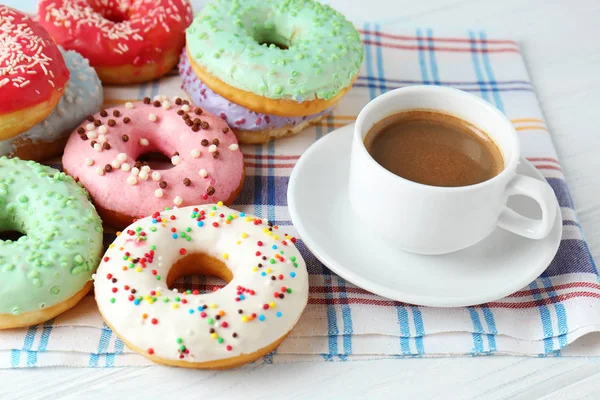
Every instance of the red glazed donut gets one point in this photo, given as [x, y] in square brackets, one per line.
[106, 153]
[33, 73]
[126, 41]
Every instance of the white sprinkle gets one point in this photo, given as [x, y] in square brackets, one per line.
[102, 129]
[125, 167]
[143, 175]
[175, 160]
[152, 117]
[98, 147]
[92, 135]
[190, 332]
[158, 97]
[233, 147]
[177, 200]
[156, 176]
[100, 171]
[116, 164]
[166, 104]
[135, 171]
[158, 193]
[265, 221]
[129, 105]
[144, 142]
[146, 168]
[132, 180]
[101, 138]
[212, 148]
[89, 162]
[90, 127]
[185, 108]
[195, 153]
[203, 173]
[122, 157]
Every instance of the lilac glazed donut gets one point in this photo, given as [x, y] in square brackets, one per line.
[249, 127]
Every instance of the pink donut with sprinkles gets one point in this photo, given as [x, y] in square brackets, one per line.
[114, 155]
[33, 73]
[126, 41]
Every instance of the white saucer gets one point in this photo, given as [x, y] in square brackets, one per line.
[494, 268]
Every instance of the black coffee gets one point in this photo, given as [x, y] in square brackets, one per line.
[434, 149]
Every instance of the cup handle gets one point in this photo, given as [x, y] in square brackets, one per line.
[542, 193]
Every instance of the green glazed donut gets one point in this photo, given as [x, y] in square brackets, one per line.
[45, 271]
[297, 50]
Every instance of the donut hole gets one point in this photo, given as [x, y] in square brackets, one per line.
[156, 160]
[113, 14]
[11, 236]
[200, 272]
[267, 35]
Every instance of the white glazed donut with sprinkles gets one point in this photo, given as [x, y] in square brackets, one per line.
[266, 293]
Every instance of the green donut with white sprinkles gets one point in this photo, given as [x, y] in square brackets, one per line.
[49, 268]
[281, 57]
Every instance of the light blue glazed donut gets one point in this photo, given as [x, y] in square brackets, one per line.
[83, 96]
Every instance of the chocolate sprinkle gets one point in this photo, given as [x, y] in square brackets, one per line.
[83, 137]
[90, 118]
[216, 155]
[197, 120]
[273, 278]
[240, 311]
[162, 184]
[189, 122]
[215, 142]
[81, 130]
[111, 122]
[212, 330]
[146, 100]
[108, 168]
[92, 143]
[204, 142]
[210, 190]
[106, 146]
[225, 130]
[234, 334]
[116, 113]
[185, 102]
[156, 103]
[185, 116]
[217, 317]
[204, 125]
[178, 101]
[125, 138]
[180, 112]
[198, 111]
[103, 113]
[126, 120]
[97, 122]
[137, 165]
[195, 128]
[187, 182]
[175, 154]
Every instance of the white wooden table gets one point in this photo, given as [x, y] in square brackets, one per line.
[559, 40]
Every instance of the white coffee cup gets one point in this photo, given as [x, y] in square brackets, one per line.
[436, 220]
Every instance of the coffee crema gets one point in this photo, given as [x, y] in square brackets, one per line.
[434, 148]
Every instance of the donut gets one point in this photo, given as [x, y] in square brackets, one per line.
[82, 96]
[107, 155]
[126, 41]
[47, 271]
[33, 73]
[265, 294]
[249, 127]
[281, 57]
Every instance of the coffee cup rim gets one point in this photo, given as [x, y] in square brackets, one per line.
[509, 165]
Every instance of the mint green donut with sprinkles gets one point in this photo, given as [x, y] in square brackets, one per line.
[48, 269]
[297, 51]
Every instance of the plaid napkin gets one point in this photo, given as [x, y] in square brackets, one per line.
[343, 322]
